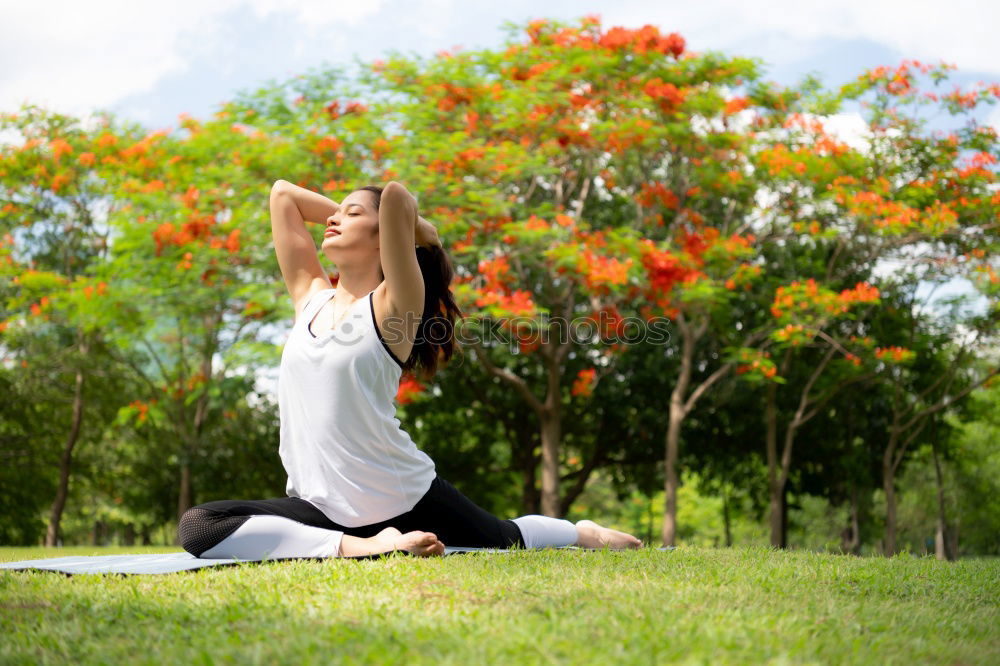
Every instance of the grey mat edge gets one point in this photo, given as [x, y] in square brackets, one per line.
[165, 563]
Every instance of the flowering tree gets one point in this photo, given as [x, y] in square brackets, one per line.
[585, 179]
[197, 224]
[928, 199]
[890, 199]
[52, 211]
[603, 213]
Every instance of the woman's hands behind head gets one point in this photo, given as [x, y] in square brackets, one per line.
[426, 234]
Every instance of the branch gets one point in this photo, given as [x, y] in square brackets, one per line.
[804, 399]
[584, 191]
[517, 382]
[833, 343]
[156, 359]
[949, 375]
[138, 371]
[906, 442]
[833, 259]
[705, 385]
[583, 474]
[836, 389]
[569, 304]
[702, 327]
[727, 219]
[531, 189]
[720, 372]
[950, 401]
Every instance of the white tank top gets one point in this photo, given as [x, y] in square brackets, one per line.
[340, 440]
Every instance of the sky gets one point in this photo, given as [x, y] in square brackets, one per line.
[151, 61]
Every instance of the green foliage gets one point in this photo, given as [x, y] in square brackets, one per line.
[970, 462]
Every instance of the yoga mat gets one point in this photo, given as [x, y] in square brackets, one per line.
[173, 562]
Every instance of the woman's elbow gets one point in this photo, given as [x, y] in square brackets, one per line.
[279, 185]
[394, 191]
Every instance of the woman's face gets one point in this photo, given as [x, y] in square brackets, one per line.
[354, 228]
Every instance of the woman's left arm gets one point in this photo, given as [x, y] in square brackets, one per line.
[397, 224]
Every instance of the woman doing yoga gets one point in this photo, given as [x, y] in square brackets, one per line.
[357, 483]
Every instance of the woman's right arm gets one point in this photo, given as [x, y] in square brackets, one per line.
[298, 259]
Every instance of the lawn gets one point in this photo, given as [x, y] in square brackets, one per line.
[690, 605]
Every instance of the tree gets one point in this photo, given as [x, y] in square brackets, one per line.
[194, 228]
[530, 195]
[53, 244]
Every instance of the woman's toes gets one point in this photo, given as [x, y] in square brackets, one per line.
[433, 549]
[421, 543]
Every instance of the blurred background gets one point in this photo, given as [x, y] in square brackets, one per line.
[805, 197]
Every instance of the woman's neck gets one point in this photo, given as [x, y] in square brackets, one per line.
[358, 285]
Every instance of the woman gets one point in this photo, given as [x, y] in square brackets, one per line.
[357, 484]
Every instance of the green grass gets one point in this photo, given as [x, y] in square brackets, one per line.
[691, 605]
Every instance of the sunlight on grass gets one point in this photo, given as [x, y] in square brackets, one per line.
[650, 606]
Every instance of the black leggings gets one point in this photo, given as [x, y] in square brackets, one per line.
[443, 510]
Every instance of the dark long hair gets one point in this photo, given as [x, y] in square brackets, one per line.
[436, 332]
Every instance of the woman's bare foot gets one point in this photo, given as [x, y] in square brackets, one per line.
[591, 535]
[422, 544]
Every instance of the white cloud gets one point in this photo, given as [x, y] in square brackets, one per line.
[958, 31]
[850, 128]
[78, 56]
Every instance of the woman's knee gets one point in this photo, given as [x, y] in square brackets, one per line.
[201, 528]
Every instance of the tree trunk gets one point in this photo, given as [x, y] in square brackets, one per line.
[550, 464]
[66, 460]
[676, 418]
[782, 481]
[529, 488]
[778, 471]
[99, 534]
[771, 444]
[891, 459]
[850, 538]
[184, 497]
[775, 516]
[889, 486]
[941, 544]
[670, 482]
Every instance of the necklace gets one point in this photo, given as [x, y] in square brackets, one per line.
[343, 314]
[338, 319]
